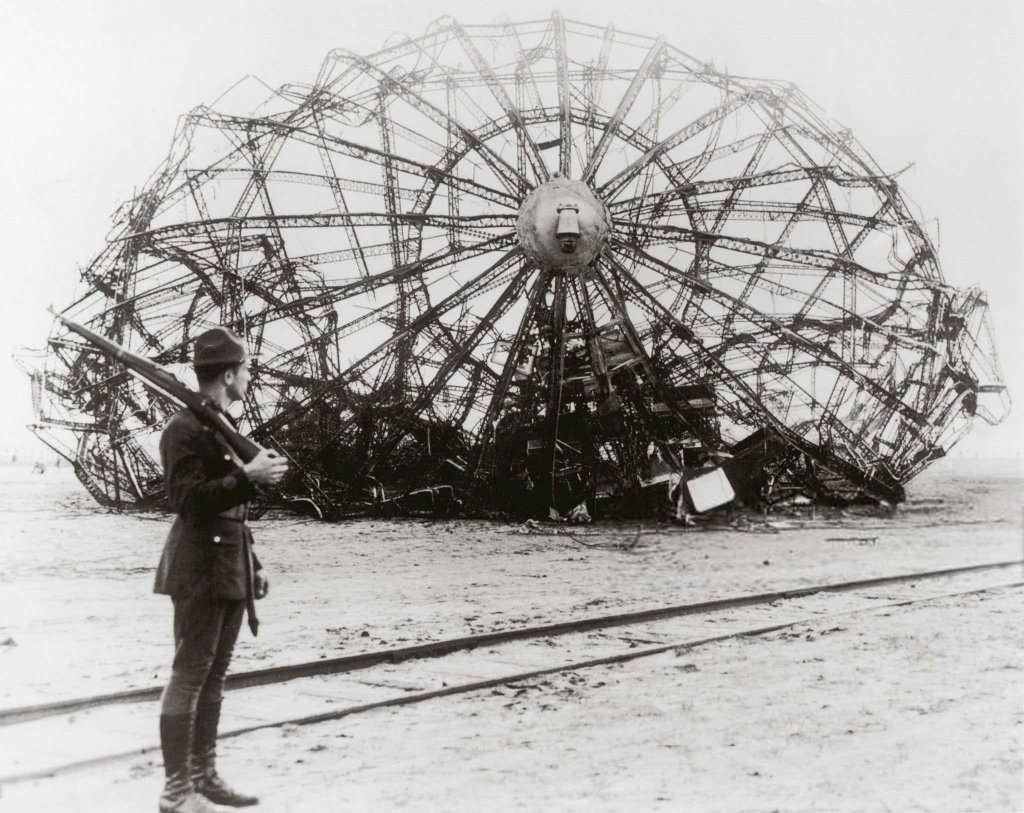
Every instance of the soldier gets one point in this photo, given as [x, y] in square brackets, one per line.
[210, 572]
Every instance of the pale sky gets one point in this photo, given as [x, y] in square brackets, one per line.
[92, 91]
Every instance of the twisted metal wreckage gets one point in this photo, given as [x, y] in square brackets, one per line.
[542, 268]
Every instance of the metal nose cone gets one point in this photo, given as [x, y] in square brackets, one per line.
[562, 224]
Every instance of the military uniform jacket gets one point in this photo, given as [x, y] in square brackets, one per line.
[209, 544]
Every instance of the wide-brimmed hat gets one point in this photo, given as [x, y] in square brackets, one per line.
[218, 346]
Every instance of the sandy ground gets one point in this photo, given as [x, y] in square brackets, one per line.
[916, 709]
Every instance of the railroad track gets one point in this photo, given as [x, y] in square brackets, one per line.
[54, 738]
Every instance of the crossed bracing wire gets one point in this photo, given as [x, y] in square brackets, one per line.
[645, 217]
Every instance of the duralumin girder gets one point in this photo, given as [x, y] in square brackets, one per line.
[540, 268]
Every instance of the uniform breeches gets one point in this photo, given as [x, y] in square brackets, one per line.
[205, 631]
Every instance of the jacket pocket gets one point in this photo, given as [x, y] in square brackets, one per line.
[223, 532]
[225, 539]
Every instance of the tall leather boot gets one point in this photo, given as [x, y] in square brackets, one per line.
[176, 744]
[205, 778]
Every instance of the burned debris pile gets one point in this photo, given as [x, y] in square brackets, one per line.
[544, 269]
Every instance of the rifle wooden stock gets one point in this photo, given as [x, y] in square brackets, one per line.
[165, 383]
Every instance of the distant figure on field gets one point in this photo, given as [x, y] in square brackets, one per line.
[209, 570]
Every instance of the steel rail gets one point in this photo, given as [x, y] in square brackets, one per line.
[502, 680]
[365, 660]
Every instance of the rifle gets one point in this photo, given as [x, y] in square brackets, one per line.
[166, 384]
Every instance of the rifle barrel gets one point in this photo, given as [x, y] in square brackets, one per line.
[163, 382]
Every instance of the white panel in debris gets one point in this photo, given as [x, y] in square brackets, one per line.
[710, 490]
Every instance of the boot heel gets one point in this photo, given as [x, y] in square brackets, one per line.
[205, 778]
